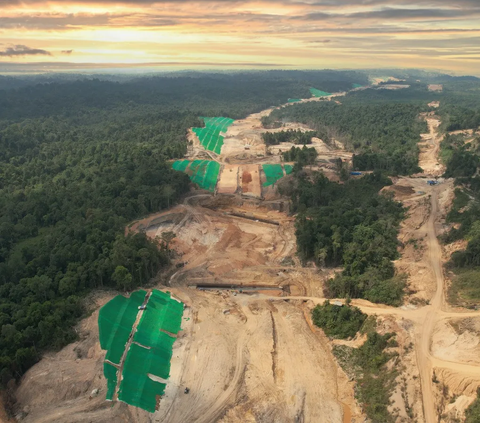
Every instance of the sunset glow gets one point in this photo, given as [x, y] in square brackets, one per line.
[293, 34]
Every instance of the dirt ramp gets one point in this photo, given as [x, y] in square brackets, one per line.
[228, 181]
[250, 180]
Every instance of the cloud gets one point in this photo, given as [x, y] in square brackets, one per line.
[21, 50]
[393, 14]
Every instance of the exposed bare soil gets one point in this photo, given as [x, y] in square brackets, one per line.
[435, 87]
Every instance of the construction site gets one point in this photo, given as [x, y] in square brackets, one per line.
[228, 336]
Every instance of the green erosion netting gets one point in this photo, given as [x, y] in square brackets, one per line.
[115, 322]
[151, 350]
[211, 176]
[195, 164]
[294, 100]
[110, 373]
[201, 172]
[357, 85]
[221, 123]
[180, 165]
[273, 172]
[288, 169]
[137, 388]
[162, 313]
[209, 136]
[318, 93]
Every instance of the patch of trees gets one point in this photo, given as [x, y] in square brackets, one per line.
[374, 380]
[290, 135]
[472, 413]
[463, 118]
[349, 225]
[462, 164]
[384, 135]
[338, 321]
[302, 156]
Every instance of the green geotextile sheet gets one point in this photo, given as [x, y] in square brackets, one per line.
[137, 388]
[110, 373]
[273, 173]
[202, 172]
[180, 165]
[209, 136]
[115, 322]
[162, 312]
[151, 350]
[294, 100]
[222, 123]
[357, 85]
[318, 93]
[288, 169]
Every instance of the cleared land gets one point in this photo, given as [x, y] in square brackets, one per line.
[228, 181]
[435, 87]
[250, 180]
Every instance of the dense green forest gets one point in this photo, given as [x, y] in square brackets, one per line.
[349, 225]
[79, 159]
[383, 135]
[290, 135]
[463, 163]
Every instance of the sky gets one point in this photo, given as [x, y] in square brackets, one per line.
[304, 34]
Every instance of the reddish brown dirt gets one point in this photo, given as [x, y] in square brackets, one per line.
[250, 180]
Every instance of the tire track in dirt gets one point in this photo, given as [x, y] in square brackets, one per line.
[274, 349]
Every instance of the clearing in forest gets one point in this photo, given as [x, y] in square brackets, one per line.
[318, 93]
[144, 361]
[210, 136]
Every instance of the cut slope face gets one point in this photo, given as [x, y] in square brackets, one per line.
[115, 322]
[201, 172]
[210, 136]
[145, 360]
[273, 172]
